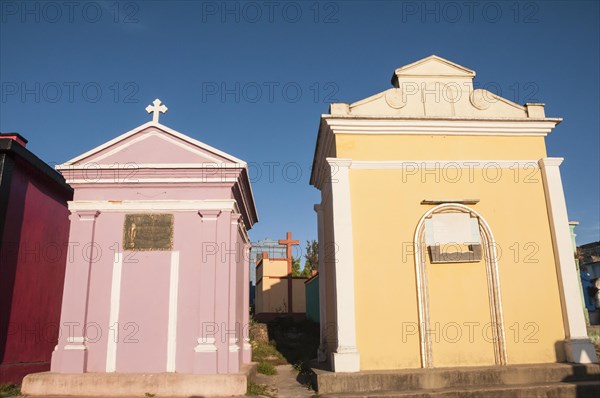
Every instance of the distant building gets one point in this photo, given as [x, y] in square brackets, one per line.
[589, 265]
[589, 256]
[272, 297]
[269, 246]
[34, 235]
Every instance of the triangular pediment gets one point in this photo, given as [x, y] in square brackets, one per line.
[434, 66]
[154, 144]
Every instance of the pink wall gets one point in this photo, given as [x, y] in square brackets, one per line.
[207, 254]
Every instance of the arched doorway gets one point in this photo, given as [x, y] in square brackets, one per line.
[490, 258]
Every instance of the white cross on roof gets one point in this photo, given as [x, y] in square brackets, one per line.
[156, 109]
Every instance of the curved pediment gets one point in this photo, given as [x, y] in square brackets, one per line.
[437, 99]
[436, 87]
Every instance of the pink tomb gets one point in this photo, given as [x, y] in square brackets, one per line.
[156, 278]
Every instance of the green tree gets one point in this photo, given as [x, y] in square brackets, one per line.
[296, 266]
[311, 257]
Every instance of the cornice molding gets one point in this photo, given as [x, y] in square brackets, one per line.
[111, 181]
[143, 206]
[440, 126]
[332, 125]
[549, 162]
[138, 166]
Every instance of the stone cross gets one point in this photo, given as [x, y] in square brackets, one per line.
[156, 109]
[289, 243]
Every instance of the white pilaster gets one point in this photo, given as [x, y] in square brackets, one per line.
[322, 352]
[578, 347]
[115, 303]
[346, 357]
[172, 322]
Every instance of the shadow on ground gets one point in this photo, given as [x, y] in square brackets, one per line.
[297, 341]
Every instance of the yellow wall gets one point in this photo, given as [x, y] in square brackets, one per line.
[438, 147]
[298, 295]
[459, 311]
[385, 211]
[272, 289]
[273, 267]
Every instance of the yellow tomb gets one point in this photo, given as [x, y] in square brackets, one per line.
[272, 290]
[443, 230]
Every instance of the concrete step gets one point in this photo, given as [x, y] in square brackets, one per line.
[580, 389]
[412, 380]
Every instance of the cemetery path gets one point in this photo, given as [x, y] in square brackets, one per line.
[286, 383]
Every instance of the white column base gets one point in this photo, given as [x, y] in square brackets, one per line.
[345, 361]
[580, 350]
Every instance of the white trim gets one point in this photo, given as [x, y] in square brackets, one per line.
[152, 205]
[550, 162]
[441, 119]
[493, 283]
[164, 128]
[462, 71]
[494, 296]
[135, 180]
[72, 347]
[578, 347]
[145, 136]
[460, 132]
[446, 126]
[342, 163]
[346, 357]
[172, 322]
[247, 345]
[115, 301]
[429, 164]
[392, 125]
[76, 343]
[233, 346]
[206, 344]
[205, 165]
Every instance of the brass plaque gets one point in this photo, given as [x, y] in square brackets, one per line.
[147, 232]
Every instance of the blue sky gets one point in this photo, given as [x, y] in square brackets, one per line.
[252, 78]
